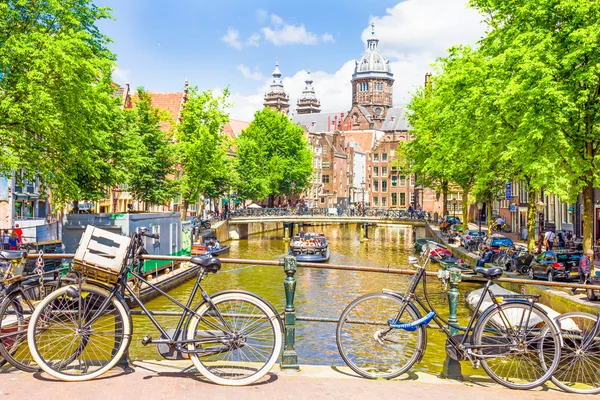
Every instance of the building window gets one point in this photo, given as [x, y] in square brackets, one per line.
[376, 201]
[384, 157]
[375, 171]
[412, 180]
[394, 199]
[394, 181]
[403, 199]
[376, 157]
[383, 171]
[402, 181]
[384, 202]
[376, 186]
[384, 186]
[325, 178]
[326, 164]
[394, 169]
[322, 200]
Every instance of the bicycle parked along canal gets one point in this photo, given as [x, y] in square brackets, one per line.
[382, 335]
[80, 331]
[20, 291]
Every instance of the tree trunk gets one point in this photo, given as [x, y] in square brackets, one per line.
[75, 206]
[271, 200]
[588, 210]
[465, 195]
[184, 208]
[489, 217]
[531, 220]
[445, 198]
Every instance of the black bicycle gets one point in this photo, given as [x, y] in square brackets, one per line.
[382, 335]
[20, 291]
[81, 331]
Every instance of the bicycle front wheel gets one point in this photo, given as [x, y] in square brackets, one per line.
[518, 345]
[15, 313]
[369, 346]
[237, 342]
[579, 368]
[76, 335]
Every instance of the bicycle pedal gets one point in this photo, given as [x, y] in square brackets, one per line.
[146, 340]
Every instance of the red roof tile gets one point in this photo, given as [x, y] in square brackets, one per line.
[171, 102]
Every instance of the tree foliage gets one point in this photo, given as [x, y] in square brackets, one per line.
[58, 117]
[201, 147]
[272, 153]
[152, 159]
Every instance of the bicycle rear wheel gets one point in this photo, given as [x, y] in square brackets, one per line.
[579, 368]
[369, 346]
[15, 313]
[76, 335]
[239, 342]
[517, 349]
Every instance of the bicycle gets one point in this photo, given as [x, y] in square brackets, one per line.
[501, 228]
[80, 331]
[382, 335]
[19, 294]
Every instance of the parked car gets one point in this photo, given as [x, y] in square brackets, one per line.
[495, 242]
[470, 234]
[552, 265]
[451, 220]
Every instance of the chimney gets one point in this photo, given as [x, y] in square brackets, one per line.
[328, 123]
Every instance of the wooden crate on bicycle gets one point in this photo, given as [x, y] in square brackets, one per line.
[101, 254]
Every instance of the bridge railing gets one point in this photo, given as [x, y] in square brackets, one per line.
[329, 212]
[289, 358]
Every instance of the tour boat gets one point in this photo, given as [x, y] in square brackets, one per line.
[309, 247]
[214, 247]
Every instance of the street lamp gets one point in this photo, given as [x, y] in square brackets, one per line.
[540, 209]
[293, 185]
[479, 208]
[362, 188]
[454, 209]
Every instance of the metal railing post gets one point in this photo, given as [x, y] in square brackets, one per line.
[289, 359]
[452, 369]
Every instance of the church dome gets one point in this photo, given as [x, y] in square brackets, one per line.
[372, 64]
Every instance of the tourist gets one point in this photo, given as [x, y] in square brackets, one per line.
[13, 241]
[19, 233]
[499, 223]
[585, 268]
[549, 239]
[5, 238]
[561, 239]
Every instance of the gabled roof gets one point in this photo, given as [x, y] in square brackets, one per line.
[395, 120]
[317, 122]
[365, 140]
[171, 102]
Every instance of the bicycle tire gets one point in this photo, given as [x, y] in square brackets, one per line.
[366, 351]
[534, 359]
[506, 228]
[233, 369]
[579, 369]
[53, 318]
[15, 311]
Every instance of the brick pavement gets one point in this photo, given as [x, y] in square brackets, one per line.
[152, 380]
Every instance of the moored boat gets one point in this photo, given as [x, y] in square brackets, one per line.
[309, 247]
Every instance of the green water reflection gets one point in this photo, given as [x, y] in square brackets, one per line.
[319, 293]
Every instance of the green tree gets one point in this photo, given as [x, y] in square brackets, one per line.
[201, 147]
[271, 154]
[550, 49]
[58, 118]
[153, 160]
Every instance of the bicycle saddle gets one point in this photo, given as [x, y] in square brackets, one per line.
[211, 264]
[13, 254]
[490, 273]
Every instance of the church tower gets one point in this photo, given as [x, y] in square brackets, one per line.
[308, 103]
[372, 82]
[276, 98]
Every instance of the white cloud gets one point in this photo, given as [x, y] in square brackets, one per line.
[121, 75]
[232, 38]
[255, 75]
[276, 20]
[253, 40]
[412, 35]
[282, 33]
[261, 16]
[327, 37]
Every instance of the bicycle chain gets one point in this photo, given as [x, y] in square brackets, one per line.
[39, 270]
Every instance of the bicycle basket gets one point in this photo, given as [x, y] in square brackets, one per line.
[101, 255]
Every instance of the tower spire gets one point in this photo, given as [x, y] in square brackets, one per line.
[276, 97]
[308, 103]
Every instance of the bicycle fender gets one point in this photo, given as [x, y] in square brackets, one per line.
[419, 317]
[244, 292]
[495, 306]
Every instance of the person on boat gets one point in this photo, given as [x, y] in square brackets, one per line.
[211, 244]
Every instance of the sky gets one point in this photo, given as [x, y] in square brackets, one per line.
[235, 43]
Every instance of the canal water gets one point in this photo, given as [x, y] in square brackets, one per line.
[319, 293]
